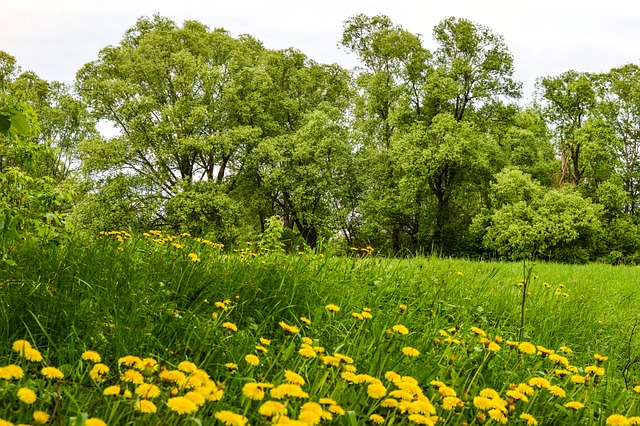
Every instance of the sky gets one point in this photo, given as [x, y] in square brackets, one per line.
[54, 38]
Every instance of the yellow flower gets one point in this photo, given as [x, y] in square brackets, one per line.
[289, 328]
[376, 390]
[52, 373]
[292, 377]
[451, 402]
[336, 409]
[400, 329]
[145, 406]
[231, 326]
[230, 418]
[40, 417]
[231, 366]
[516, 394]
[600, 358]
[420, 419]
[493, 347]
[94, 421]
[489, 393]
[27, 396]
[557, 391]
[307, 351]
[574, 404]
[196, 397]
[566, 350]
[262, 349]
[99, 372]
[531, 421]
[559, 359]
[11, 372]
[32, 354]
[633, 421]
[288, 389]
[498, 415]
[187, 367]
[21, 346]
[577, 379]
[129, 360]
[616, 420]
[333, 308]
[389, 403]
[482, 402]
[92, 356]
[252, 360]
[147, 391]
[527, 348]
[111, 390]
[194, 257]
[253, 390]
[264, 341]
[539, 382]
[478, 331]
[132, 376]
[403, 307]
[304, 320]
[182, 405]
[272, 408]
[409, 351]
[376, 418]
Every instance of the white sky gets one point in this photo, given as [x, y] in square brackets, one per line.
[546, 37]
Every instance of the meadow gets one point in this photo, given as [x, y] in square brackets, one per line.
[156, 329]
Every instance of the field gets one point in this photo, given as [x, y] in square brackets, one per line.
[159, 329]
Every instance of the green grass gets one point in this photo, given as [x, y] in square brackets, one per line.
[148, 298]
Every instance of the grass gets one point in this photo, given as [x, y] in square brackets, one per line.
[168, 300]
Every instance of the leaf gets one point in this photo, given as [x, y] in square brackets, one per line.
[5, 124]
[350, 419]
[19, 122]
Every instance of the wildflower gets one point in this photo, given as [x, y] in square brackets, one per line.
[333, 308]
[527, 348]
[265, 342]
[187, 367]
[574, 404]
[292, 377]
[182, 405]
[559, 359]
[376, 418]
[451, 402]
[231, 326]
[478, 331]
[366, 315]
[539, 382]
[616, 420]
[147, 391]
[27, 396]
[195, 397]
[32, 354]
[21, 346]
[389, 403]
[400, 329]
[594, 370]
[493, 347]
[336, 409]
[262, 349]
[557, 391]
[376, 390]
[516, 394]
[231, 366]
[221, 305]
[420, 419]
[636, 388]
[304, 320]
[446, 391]
[482, 402]
[578, 379]
[145, 406]
[566, 349]
[52, 373]
[92, 356]
[252, 360]
[288, 389]
[531, 421]
[489, 393]
[11, 372]
[272, 409]
[289, 328]
[111, 390]
[307, 351]
[498, 415]
[327, 401]
[129, 360]
[525, 389]
[253, 390]
[40, 417]
[633, 421]
[600, 358]
[310, 413]
[357, 315]
[194, 257]
[132, 376]
[94, 421]
[409, 351]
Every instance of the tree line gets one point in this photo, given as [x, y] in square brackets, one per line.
[413, 151]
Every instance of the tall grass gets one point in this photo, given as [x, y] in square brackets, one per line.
[167, 298]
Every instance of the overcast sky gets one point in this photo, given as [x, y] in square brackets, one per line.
[546, 37]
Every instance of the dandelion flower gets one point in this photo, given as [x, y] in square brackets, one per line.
[265, 342]
[129, 360]
[389, 403]
[182, 405]
[516, 394]
[32, 354]
[376, 390]
[400, 329]
[498, 415]
[478, 331]
[305, 320]
[616, 420]
[253, 390]
[194, 257]
[132, 376]
[482, 402]
[40, 417]
[527, 348]
[99, 372]
[92, 356]
[147, 391]
[493, 347]
[11, 372]
[94, 421]
[420, 419]
[451, 402]
[409, 351]
[336, 409]
[578, 379]
[531, 421]
[539, 382]
[272, 409]
[557, 391]
[489, 393]
[600, 358]
[230, 418]
[376, 418]
[574, 405]
[307, 351]
[111, 390]
[52, 373]
[333, 308]
[231, 326]
[145, 406]
[27, 396]
[633, 421]
[196, 397]
[252, 360]
[292, 377]
[289, 328]
[231, 366]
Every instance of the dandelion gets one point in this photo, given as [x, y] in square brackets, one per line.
[516, 394]
[262, 349]
[272, 409]
[539, 382]
[633, 421]
[147, 391]
[265, 342]
[92, 356]
[333, 308]
[498, 415]
[451, 402]
[289, 328]
[305, 320]
[253, 390]
[40, 417]
[527, 348]
[32, 354]
[27, 396]
[307, 351]
[292, 377]
[111, 390]
[482, 402]
[400, 329]
[94, 421]
[376, 418]
[132, 376]
[288, 389]
[11, 372]
[420, 419]
[99, 372]
[229, 325]
[195, 397]
[600, 358]
[478, 331]
[182, 405]
[129, 360]
[636, 388]
[145, 406]
[21, 346]
[616, 420]
[566, 349]
[52, 373]
[252, 360]
[336, 409]
[187, 367]
[557, 391]
[376, 390]
[578, 379]
[493, 347]
[531, 421]
[559, 360]
[489, 393]
[574, 405]
[194, 257]
[409, 351]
